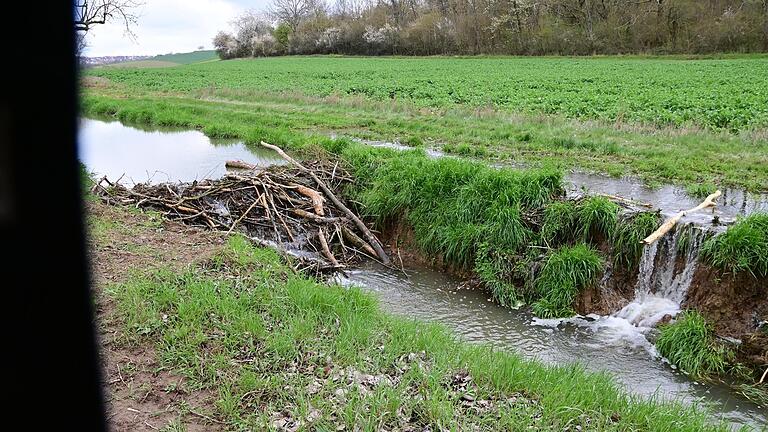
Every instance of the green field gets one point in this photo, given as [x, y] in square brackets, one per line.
[729, 94]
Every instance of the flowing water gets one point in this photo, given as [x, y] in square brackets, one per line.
[616, 344]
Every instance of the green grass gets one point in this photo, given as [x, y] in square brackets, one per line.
[141, 64]
[566, 272]
[596, 217]
[683, 156]
[742, 248]
[266, 341]
[689, 343]
[559, 223]
[627, 236]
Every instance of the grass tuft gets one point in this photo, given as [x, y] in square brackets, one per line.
[689, 343]
[566, 271]
[742, 248]
[627, 248]
[596, 216]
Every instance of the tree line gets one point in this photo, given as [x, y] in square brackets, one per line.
[520, 27]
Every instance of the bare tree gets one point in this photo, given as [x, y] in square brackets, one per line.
[290, 12]
[92, 12]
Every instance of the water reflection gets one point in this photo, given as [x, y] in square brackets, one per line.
[140, 154]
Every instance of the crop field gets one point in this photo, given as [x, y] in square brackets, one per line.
[730, 94]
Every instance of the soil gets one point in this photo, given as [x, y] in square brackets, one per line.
[610, 295]
[140, 395]
[400, 243]
[734, 304]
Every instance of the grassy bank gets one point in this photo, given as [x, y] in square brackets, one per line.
[251, 345]
[303, 96]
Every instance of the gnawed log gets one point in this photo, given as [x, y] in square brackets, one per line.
[353, 238]
[315, 196]
[327, 191]
[669, 223]
[240, 165]
[326, 250]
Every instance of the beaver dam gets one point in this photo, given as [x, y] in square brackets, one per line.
[454, 241]
[279, 207]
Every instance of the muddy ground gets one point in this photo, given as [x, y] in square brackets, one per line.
[140, 395]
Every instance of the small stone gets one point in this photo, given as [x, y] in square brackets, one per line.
[313, 415]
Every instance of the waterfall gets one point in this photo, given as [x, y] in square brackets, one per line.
[665, 273]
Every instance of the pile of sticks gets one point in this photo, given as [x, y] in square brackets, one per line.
[279, 207]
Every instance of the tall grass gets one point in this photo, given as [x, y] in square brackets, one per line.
[455, 206]
[565, 272]
[742, 248]
[689, 343]
[596, 216]
[559, 222]
[627, 248]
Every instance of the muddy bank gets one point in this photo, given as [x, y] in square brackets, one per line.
[737, 306]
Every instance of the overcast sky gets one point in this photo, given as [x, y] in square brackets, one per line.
[169, 26]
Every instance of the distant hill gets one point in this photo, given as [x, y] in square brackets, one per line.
[105, 60]
[163, 60]
[187, 58]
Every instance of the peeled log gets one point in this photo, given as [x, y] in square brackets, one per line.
[669, 223]
[315, 196]
[240, 165]
[326, 250]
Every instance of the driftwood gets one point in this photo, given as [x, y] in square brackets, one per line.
[271, 205]
[669, 223]
[372, 240]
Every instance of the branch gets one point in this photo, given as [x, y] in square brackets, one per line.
[669, 223]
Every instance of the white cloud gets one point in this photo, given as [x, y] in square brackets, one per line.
[168, 26]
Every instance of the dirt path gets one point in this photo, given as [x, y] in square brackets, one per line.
[140, 395]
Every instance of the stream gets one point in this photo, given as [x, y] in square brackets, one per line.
[614, 344]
